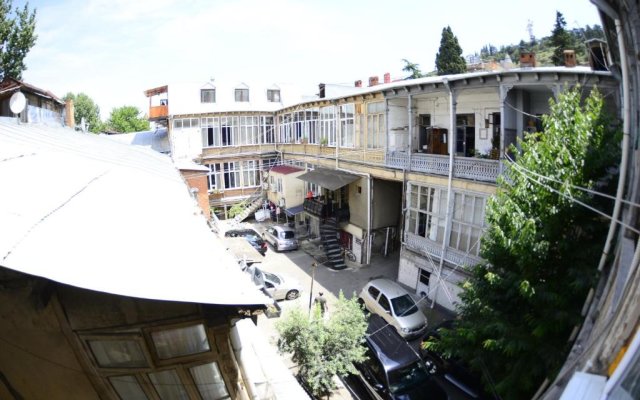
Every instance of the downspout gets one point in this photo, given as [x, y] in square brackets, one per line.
[626, 123]
[338, 131]
[452, 131]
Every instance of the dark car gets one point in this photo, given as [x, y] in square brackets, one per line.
[252, 237]
[393, 369]
[455, 375]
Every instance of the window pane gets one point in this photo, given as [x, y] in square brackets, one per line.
[168, 385]
[118, 353]
[209, 382]
[180, 341]
[127, 388]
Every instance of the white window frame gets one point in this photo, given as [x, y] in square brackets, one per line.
[347, 125]
[231, 175]
[273, 95]
[250, 173]
[213, 177]
[376, 125]
[241, 95]
[208, 95]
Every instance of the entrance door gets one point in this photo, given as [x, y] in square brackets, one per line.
[465, 135]
[424, 123]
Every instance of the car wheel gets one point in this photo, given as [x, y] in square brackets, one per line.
[361, 304]
[276, 248]
[292, 294]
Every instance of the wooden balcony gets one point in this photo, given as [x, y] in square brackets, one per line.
[158, 112]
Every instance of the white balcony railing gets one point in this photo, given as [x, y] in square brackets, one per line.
[477, 169]
[428, 247]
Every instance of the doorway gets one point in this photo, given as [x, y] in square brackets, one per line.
[465, 135]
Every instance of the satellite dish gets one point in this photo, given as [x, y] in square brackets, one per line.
[17, 102]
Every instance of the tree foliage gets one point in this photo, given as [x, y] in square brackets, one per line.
[541, 250]
[127, 119]
[449, 59]
[17, 37]
[412, 68]
[560, 40]
[85, 107]
[323, 347]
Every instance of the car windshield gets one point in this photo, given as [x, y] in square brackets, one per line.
[403, 379]
[404, 305]
[273, 278]
[287, 235]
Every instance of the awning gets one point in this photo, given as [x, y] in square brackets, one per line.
[329, 178]
[293, 211]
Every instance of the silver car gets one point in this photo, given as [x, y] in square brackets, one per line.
[394, 304]
[281, 238]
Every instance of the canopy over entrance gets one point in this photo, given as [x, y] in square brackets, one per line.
[329, 178]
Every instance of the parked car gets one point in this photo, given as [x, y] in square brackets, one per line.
[281, 237]
[455, 375]
[251, 236]
[279, 287]
[393, 370]
[393, 303]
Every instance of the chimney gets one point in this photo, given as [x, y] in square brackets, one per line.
[569, 58]
[322, 92]
[373, 80]
[387, 78]
[598, 55]
[69, 114]
[358, 83]
[527, 59]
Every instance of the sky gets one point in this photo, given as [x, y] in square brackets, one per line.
[114, 50]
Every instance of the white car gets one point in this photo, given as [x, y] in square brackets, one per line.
[395, 305]
[281, 238]
[280, 287]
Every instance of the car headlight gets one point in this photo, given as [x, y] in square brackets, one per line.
[405, 330]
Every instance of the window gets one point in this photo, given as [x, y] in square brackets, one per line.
[266, 130]
[328, 125]
[210, 128]
[207, 95]
[118, 353]
[376, 130]
[347, 127]
[425, 276]
[384, 303]
[127, 387]
[213, 177]
[250, 173]
[273, 95]
[168, 385]
[231, 173]
[242, 95]
[249, 130]
[373, 291]
[186, 123]
[427, 212]
[467, 223]
[179, 342]
[279, 185]
[209, 382]
[227, 131]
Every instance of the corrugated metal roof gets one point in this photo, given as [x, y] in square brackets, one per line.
[87, 211]
[286, 169]
[157, 140]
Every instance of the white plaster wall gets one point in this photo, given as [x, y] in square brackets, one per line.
[407, 272]
[398, 136]
[186, 143]
[358, 202]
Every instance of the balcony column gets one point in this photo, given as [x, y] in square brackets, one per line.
[386, 129]
[410, 132]
[504, 91]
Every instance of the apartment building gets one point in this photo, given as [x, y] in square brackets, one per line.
[405, 165]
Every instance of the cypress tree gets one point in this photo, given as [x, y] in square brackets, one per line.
[449, 58]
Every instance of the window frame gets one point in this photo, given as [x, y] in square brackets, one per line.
[241, 95]
[207, 95]
[273, 96]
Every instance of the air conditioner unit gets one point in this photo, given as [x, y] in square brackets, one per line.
[281, 202]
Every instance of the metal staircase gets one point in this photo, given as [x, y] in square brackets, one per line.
[329, 238]
[253, 203]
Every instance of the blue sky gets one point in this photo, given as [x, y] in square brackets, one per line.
[113, 50]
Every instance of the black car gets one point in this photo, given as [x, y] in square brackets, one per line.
[393, 369]
[252, 237]
[455, 376]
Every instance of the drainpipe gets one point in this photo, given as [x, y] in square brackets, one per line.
[452, 131]
[626, 123]
[338, 131]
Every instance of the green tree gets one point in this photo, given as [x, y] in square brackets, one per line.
[560, 40]
[412, 68]
[85, 107]
[541, 250]
[127, 119]
[17, 37]
[449, 59]
[322, 347]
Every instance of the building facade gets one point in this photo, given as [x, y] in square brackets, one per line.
[405, 165]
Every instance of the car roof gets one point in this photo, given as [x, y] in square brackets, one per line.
[390, 288]
[282, 228]
[389, 347]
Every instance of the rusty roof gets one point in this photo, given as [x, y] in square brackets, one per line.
[13, 85]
